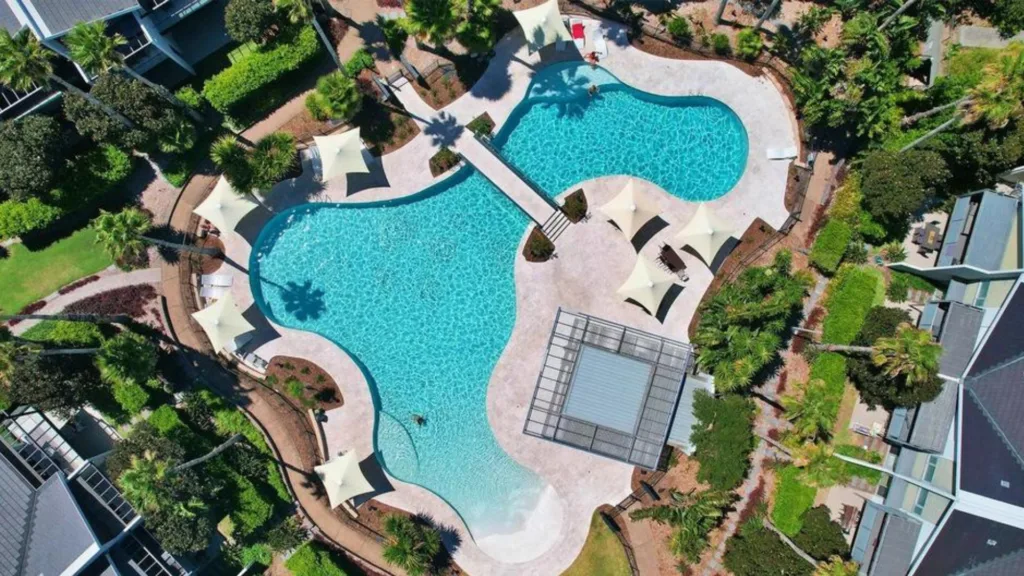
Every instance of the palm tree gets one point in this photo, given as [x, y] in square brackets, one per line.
[813, 414]
[896, 14]
[911, 353]
[24, 62]
[143, 483]
[296, 11]
[435, 20]
[410, 545]
[336, 98]
[836, 566]
[96, 51]
[123, 235]
[998, 97]
[691, 516]
[211, 454]
[256, 168]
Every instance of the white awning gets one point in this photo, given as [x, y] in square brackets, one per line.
[223, 323]
[343, 479]
[542, 25]
[647, 285]
[705, 233]
[224, 207]
[341, 154]
[630, 210]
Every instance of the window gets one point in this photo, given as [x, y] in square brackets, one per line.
[979, 300]
[922, 494]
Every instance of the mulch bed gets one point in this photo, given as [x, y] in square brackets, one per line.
[318, 384]
[537, 238]
[443, 87]
[383, 128]
[303, 127]
[667, 50]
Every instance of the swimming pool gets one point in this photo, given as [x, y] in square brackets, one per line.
[420, 291]
[560, 135]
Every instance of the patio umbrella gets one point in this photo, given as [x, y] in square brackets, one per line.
[542, 25]
[705, 233]
[223, 323]
[224, 207]
[647, 284]
[341, 154]
[630, 210]
[343, 479]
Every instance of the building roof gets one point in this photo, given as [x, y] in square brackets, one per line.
[682, 424]
[978, 230]
[608, 389]
[55, 17]
[16, 496]
[896, 544]
[8, 19]
[958, 337]
[975, 545]
[1005, 342]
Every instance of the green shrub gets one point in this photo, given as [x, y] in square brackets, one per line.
[900, 284]
[482, 125]
[130, 396]
[91, 177]
[312, 559]
[232, 421]
[277, 482]
[723, 438]
[20, 217]
[830, 367]
[720, 44]
[254, 72]
[165, 420]
[191, 97]
[820, 536]
[361, 60]
[336, 98]
[679, 29]
[65, 333]
[250, 509]
[792, 499]
[538, 246]
[443, 161]
[851, 293]
[757, 551]
[258, 554]
[748, 44]
[830, 245]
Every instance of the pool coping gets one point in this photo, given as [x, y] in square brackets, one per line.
[582, 481]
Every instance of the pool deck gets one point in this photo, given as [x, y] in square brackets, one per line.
[593, 260]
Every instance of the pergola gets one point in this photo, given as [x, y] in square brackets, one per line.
[705, 233]
[343, 479]
[341, 154]
[542, 25]
[224, 324]
[630, 210]
[647, 285]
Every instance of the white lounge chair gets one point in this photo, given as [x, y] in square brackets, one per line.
[216, 280]
[581, 41]
[783, 153]
[600, 46]
[212, 292]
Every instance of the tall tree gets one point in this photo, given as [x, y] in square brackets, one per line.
[123, 235]
[410, 545]
[997, 99]
[296, 11]
[96, 51]
[32, 152]
[249, 20]
[813, 414]
[911, 354]
[24, 62]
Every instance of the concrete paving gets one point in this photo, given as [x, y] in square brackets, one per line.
[593, 260]
[984, 37]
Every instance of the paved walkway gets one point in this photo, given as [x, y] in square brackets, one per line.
[110, 279]
[984, 37]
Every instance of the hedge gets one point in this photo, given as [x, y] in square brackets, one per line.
[312, 559]
[851, 294]
[20, 217]
[722, 438]
[830, 246]
[91, 176]
[831, 367]
[251, 510]
[130, 396]
[255, 71]
[65, 333]
[821, 537]
[757, 551]
[793, 499]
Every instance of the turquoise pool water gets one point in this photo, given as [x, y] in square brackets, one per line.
[420, 291]
[559, 135]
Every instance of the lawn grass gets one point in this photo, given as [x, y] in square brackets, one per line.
[602, 555]
[792, 500]
[28, 276]
[966, 64]
[851, 293]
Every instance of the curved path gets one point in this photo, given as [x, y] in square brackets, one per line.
[594, 259]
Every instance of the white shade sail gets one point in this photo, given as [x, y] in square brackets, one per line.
[343, 479]
[341, 154]
[224, 207]
[543, 25]
[647, 285]
[630, 210]
[705, 233]
[223, 323]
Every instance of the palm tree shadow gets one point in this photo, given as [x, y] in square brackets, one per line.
[303, 301]
[444, 130]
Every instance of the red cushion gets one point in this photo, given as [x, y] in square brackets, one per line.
[577, 30]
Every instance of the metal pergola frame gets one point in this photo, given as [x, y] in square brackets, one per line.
[571, 332]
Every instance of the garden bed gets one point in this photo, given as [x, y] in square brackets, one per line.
[482, 125]
[575, 206]
[657, 47]
[318, 388]
[443, 161]
[538, 247]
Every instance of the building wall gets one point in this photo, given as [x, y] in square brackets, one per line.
[1011, 256]
[936, 470]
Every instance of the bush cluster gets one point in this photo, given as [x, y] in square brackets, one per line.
[851, 293]
[254, 72]
[830, 245]
[166, 421]
[748, 44]
[19, 217]
[820, 536]
[722, 438]
[482, 125]
[65, 333]
[757, 551]
[793, 499]
[679, 29]
[312, 559]
[130, 300]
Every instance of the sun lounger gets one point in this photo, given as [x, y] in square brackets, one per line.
[215, 280]
[579, 35]
[600, 47]
[212, 292]
[783, 153]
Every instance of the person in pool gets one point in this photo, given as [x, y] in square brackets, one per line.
[593, 90]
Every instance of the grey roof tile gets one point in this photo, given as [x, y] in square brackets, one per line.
[15, 510]
[895, 549]
[59, 533]
[971, 544]
[58, 16]
[7, 18]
